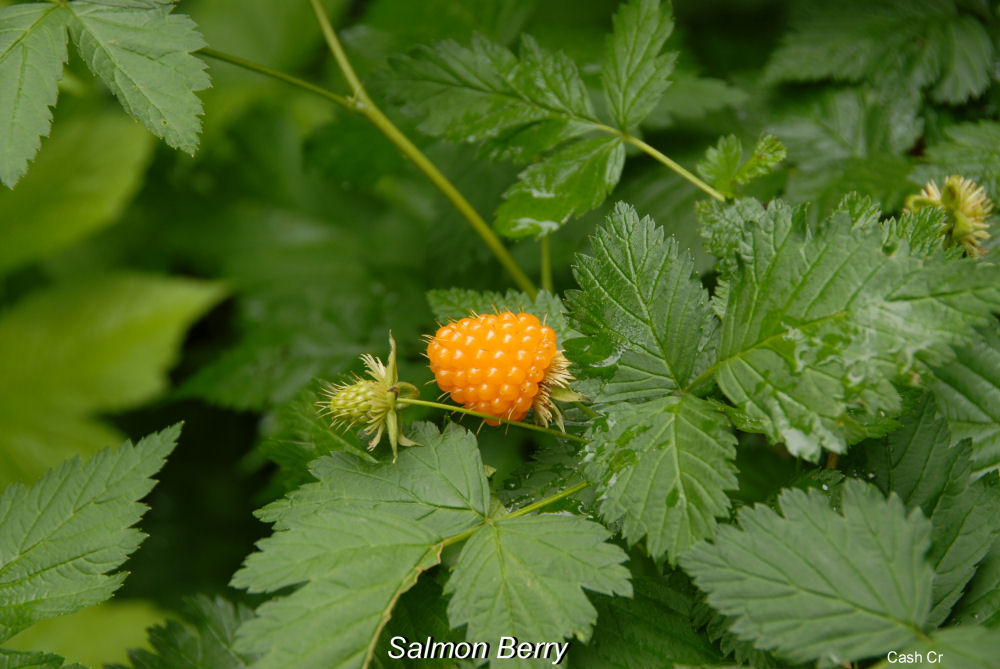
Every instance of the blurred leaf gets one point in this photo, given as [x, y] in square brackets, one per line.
[203, 641]
[635, 72]
[972, 151]
[895, 43]
[568, 182]
[764, 574]
[32, 54]
[405, 23]
[16, 659]
[103, 343]
[691, 98]
[143, 54]
[81, 181]
[92, 636]
[663, 468]
[64, 534]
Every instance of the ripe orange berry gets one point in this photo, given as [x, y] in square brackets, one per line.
[502, 365]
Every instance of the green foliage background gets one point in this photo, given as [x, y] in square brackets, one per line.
[141, 286]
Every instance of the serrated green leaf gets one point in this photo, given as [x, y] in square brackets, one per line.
[524, 577]
[204, 640]
[458, 303]
[967, 389]
[144, 55]
[470, 94]
[722, 224]
[652, 628]
[84, 176]
[955, 648]
[32, 54]
[973, 151]
[60, 537]
[895, 43]
[980, 605]
[815, 584]
[635, 73]
[811, 341]
[351, 564]
[358, 538]
[103, 343]
[440, 484]
[17, 659]
[569, 182]
[725, 168]
[663, 467]
[919, 464]
[640, 298]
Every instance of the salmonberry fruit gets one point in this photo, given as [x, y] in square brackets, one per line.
[503, 365]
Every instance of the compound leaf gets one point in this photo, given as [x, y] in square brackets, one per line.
[895, 43]
[143, 53]
[356, 540]
[815, 584]
[483, 91]
[569, 182]
[968, 393]
[351, 565]
[60, 538]
[635, 73]
[663, 467]
[524, 577]
[32, 54]
[819, 320]
[641, 299]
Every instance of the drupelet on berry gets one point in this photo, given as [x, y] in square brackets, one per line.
[502, 365]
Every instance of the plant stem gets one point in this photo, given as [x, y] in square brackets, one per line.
[477, 414]
[547, 264]
[363, 104]
[534, 506]
[339, 100]
[634, 141]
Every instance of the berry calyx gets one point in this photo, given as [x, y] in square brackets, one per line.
[503, 365]
[966, 207]
[371, 402]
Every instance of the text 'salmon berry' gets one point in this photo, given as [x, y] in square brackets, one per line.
[502, 365]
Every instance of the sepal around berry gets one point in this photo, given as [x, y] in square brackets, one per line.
[967, 209]
[371, 403]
